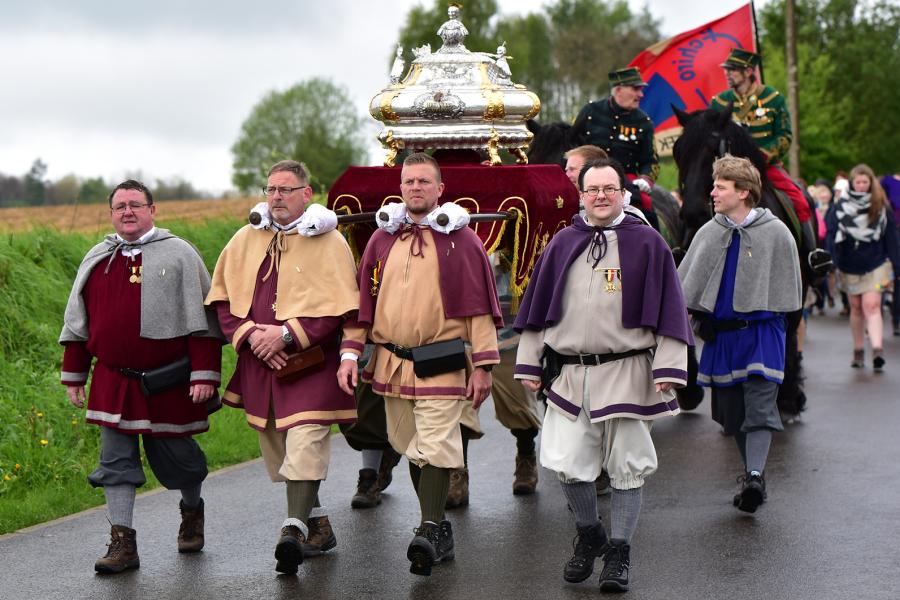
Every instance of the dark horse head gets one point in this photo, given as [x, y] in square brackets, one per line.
[550, 142]
[706, 136]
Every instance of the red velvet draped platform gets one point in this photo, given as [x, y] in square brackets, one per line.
[540, 196]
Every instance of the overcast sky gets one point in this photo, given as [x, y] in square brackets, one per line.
[100, 88]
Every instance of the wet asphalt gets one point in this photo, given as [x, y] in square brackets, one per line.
[831, 527]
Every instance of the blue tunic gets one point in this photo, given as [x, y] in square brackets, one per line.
[734, 355]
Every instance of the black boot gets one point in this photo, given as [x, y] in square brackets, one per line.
[614, 577]
[590, 542]
[423, 549]
[752, 494]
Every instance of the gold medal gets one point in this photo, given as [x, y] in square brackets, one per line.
[610, 281]
[376, 281]
[132, 279]
[760, 111]
[135, 274]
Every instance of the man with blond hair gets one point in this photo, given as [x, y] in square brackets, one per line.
[740, 276]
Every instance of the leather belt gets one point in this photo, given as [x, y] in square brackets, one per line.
[592, 360]
[399, 351]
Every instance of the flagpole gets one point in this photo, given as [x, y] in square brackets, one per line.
[756, 38]
[793, 91]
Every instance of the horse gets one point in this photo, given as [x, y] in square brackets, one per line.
[707, 135]
[552, 140]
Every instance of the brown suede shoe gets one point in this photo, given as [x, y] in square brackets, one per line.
[526, 475]
[190, 534]
[289, 550]
[389, 460]
[121, 552]
[321, 537]
[367, 493]
[459, 488]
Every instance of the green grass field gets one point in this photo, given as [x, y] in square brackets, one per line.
[46, 449]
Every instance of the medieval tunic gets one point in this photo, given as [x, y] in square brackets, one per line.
[419, 287]
[415, 315]
[312, 290]
[111, 298]
[591, 323]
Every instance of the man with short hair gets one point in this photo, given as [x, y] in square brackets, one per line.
[605, 335]
[137, 308]
[762, 109]
[283, 288]
[740, 276]
[617, 125]
[426, 290]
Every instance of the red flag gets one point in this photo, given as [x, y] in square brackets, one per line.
[684, 70]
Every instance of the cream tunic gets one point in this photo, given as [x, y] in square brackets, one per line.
[591, 323]
[410, 313]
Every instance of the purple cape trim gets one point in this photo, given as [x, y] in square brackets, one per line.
[651, 294]
[466, 276]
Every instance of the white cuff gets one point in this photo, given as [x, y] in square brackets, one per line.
[349, 356]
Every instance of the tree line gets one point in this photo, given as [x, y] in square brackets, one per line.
[848, 54]
[35, 189]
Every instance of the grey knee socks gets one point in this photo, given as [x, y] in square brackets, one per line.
[120, 503]
[582, 497]
[758, 443]
[624, 512]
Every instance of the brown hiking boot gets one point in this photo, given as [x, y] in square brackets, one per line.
[459, 488]
[289, 550]
[367, 493]
[121, 551]
[526, 475]
[602, 484]
[321, 537]
[389, 460]
[190, 534]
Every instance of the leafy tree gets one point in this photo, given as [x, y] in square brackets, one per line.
[35, 185]
[63, 191]
[175, 189]
[12, 190]
[313, 121]
[94, 190]
[848, 55]
[563, 55]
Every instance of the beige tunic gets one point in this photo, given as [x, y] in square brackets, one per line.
[410, 313]
[591, 323]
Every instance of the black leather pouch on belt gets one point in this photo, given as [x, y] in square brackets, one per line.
[439, 357]
[165, 377]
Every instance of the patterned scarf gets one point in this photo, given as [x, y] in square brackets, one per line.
[852, 213]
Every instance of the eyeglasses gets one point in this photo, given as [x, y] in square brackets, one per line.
[609, 191]
[283, 190]
[120, 209]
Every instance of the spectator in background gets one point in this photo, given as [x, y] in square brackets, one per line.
[891, 185]
[863, 233]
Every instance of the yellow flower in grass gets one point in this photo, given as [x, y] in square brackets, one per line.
[44, 442]
[74, 421]
[40, 414]
[18, 466]
[7, 477]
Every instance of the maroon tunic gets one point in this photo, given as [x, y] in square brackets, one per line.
[312, 398]
[114, 320]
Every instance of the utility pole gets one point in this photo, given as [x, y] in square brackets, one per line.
[793, 103]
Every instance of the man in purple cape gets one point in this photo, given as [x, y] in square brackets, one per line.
[604, 305]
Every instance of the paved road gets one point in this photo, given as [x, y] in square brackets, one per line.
[829, 530]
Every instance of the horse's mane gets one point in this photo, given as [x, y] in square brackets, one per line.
[550, 142]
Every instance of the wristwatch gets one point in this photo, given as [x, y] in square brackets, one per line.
[286, 336]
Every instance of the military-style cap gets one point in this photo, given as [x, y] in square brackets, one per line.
[741, 59]
[629, 76]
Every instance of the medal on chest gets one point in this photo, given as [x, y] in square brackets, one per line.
[760, 111]
[622, 135]
[611, 276]
[136, 274]
[375, 279]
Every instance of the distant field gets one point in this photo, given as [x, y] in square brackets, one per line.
[94, 218]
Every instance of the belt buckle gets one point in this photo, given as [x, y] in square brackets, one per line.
[746, 324]
[581, 360]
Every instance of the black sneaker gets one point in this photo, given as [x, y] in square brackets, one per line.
[878, 361]
[589, 543]
[614, 577]
[422, 551]
[752, 494]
